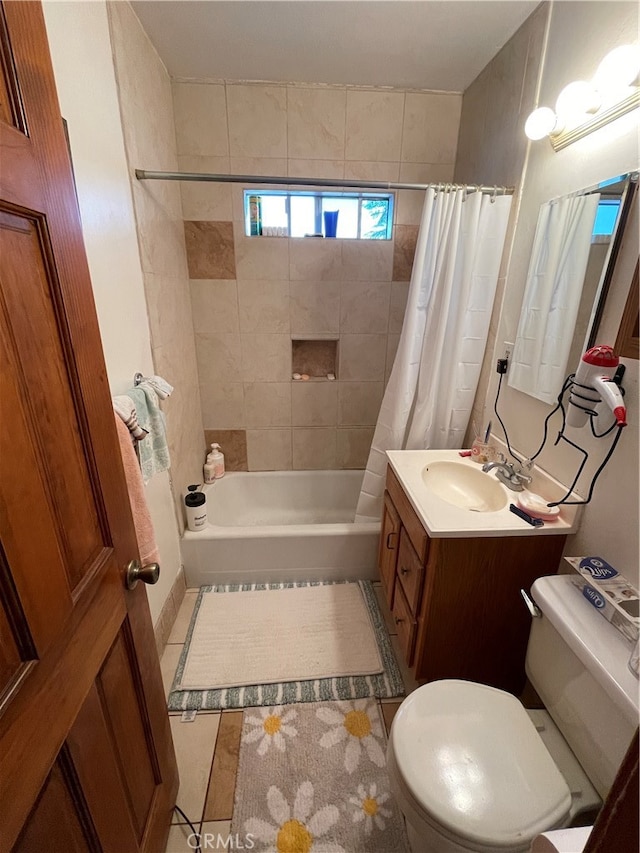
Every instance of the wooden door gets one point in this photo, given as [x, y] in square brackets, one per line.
[86, 758]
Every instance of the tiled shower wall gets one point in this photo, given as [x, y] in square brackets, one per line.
[252, 295]
[146, 109]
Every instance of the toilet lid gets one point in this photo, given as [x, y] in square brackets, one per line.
[475, 764]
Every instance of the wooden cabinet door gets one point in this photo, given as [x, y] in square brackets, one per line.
[87, 762]
[388, 551]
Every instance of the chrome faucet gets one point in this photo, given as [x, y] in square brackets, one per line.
[514, 478]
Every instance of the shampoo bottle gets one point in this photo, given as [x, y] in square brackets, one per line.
[195, 505]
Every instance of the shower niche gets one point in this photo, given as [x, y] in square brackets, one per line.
[316, 358]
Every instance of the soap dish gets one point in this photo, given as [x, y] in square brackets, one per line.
[537, 506]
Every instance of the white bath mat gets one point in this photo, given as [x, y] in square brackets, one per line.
[270, 636]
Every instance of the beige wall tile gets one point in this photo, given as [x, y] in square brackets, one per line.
[269, 449]
[410, 202]
[367, 260]
[392, 348]
[372, 170]
[430, 127]
[257, 120]
[359, 403]
[374, 125]
[210, 249]
[354, 446]
[264, 306]
[219, 358]
[214, 304]
[260, 257]
[179, 839]
[203, 199]
[314, 307]
[160, 229]
[313, 259]
[233, 443]
[267, 404]
[201, 118]
[266, 358]
[314, 449]
[404, 248]
[362, 357]
[364, 306]
[316, 122]
[222, 784]
[222, 404]
[315, 168]
[314, 403]
[170, 320]
[399, 294]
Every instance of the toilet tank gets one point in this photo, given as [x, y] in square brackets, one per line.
[577, 662]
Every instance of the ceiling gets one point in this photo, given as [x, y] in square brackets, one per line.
[423, 44]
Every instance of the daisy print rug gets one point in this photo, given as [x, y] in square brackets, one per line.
[312, 779]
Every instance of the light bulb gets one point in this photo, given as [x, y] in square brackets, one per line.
[575, 100]
[619, 68]
[540, 123]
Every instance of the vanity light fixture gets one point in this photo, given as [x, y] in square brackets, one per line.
[584, 106]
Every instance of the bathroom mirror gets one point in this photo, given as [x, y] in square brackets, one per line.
[574, 249]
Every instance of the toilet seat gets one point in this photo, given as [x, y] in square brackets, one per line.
[473, 763]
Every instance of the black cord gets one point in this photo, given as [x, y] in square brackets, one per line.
[601, 434]
[559, 405]
[500, 421]
[198, 849]
[596, 475]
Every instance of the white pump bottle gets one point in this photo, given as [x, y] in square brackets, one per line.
[214, 466]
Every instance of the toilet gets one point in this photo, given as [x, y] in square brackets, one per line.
[472, 770]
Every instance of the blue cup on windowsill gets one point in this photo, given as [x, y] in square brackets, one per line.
[330, 222]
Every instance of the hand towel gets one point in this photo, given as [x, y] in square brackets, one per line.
[139, 509]
[154, 451]
[125, 410]
[162, 388]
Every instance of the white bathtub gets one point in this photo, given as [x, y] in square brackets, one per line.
[277, 526]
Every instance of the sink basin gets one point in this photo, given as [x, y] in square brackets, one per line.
[464, 487]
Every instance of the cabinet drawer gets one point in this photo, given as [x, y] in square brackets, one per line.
[416, 532]
[388, 550]
[410, 572]
[406, 625]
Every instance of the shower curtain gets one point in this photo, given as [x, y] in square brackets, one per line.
[430, 393]
[555, 279]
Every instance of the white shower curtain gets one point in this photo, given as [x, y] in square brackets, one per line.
[552, 295]
[428, 400]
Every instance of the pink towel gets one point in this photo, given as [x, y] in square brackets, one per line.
[141, 517]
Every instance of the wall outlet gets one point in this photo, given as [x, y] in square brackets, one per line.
[508, 349]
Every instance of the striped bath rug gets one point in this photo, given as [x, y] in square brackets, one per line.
[387, 683]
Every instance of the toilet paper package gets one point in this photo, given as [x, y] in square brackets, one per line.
[609, 592]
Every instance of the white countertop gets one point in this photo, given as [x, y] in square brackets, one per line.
[445, 520]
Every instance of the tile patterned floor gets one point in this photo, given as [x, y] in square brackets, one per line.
[207, 748]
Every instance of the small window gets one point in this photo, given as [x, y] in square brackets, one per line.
[291, 213]
[606, 217]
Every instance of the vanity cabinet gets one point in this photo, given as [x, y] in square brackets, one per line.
[456, 601]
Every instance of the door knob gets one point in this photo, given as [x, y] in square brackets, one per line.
[147, 574]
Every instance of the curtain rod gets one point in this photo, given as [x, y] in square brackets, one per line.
[145, 175]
